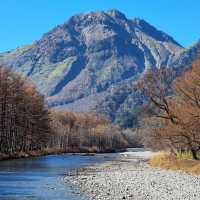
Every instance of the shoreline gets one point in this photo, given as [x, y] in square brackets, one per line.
[130, 177]
[46, 152]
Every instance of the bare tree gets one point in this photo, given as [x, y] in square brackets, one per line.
[23, 116]
[84, 132]
[178, 114]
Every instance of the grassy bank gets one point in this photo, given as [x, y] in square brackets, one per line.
[182, 161]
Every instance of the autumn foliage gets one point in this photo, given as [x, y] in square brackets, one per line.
[23, 116]
[174, 110]
[27, 125]
[84, 132]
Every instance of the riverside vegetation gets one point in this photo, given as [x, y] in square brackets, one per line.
[172, 120]
[28, 127]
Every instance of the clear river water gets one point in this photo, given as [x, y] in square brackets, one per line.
[42, 178]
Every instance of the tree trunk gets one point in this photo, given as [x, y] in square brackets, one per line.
[194, 154]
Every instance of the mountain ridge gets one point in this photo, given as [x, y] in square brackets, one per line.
[93, 59]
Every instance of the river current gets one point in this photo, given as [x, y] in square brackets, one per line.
[42, 178]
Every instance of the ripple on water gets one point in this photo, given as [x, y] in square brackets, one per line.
[42, 178]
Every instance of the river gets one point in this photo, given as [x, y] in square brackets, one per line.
[42, 178]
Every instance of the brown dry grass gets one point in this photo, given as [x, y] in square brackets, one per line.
[167, 161]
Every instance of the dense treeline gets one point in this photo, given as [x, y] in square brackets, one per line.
[84, 132]
[23, 116]
[174, 121]
[26, 124]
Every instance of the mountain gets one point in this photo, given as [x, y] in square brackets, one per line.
[186, 57]
[91, 62]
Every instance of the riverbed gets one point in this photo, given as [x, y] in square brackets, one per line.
[42, 178]
[130, 177]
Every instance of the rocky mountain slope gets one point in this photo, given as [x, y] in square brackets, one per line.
[91, 62]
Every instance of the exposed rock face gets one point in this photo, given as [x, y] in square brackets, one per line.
[186, 57]
[91, 62]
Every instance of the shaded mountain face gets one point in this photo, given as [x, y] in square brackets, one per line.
[184, 60]
[91, 62]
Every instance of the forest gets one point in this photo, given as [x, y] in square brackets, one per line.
[169, 118]
[29, 127]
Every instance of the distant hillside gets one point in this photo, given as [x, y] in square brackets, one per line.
[91, 62]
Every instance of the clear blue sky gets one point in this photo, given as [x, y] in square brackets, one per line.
[24, 21]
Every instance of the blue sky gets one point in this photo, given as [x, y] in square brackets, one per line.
[24, 21]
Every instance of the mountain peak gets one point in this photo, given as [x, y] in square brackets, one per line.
[91, 58]
[152, 31]
[96, 16]
[116, 14]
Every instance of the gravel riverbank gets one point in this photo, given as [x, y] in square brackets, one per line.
[131, 178]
